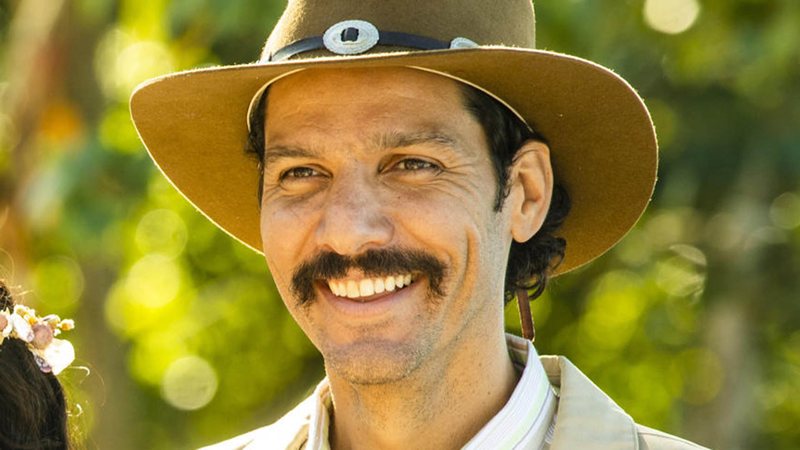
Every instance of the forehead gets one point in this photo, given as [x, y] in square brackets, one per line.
[336, 100]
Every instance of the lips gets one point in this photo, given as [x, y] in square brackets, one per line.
[361, 288]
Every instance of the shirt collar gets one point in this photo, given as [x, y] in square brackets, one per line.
[319, 422]
[522, 423]
[526, 418]
[587, 418]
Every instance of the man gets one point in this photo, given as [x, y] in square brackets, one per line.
[407, 153]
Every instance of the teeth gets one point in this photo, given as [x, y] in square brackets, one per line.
[389, 284]
[352, 289]
[366, 287]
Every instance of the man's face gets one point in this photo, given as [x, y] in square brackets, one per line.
[377, 219]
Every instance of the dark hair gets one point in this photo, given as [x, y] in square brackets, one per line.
[33, 411]
[529, 263]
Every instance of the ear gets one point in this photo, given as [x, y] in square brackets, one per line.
[531, 185]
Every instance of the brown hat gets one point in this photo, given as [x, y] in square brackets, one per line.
[194, 123]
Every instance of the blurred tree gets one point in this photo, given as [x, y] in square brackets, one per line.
[690, 323]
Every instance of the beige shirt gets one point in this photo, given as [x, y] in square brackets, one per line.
[587, 419]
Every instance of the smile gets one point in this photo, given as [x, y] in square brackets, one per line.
[365, 287]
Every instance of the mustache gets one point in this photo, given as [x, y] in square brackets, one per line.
[373, 263]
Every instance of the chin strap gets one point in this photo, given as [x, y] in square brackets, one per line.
[525, 316]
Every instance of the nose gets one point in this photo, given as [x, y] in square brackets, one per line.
[354, 219]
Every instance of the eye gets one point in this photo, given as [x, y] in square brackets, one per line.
[416, 164]
[299, 172]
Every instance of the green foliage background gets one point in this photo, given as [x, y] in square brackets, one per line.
[691, 323]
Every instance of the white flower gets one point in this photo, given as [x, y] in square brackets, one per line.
[58, 355]
[22, 328]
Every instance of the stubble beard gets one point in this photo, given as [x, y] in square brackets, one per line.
[377, 362]
[372, 361]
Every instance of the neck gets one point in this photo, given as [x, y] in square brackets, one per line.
[443, 404]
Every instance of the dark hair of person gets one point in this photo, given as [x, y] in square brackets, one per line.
[33, 411]
[529, 263]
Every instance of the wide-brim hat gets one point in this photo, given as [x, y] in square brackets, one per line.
[603, 145]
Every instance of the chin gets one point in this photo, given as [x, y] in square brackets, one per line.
[376, 362]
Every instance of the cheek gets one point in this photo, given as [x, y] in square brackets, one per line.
[476, 238]
[287, 222]
[283, 234]
[458, 227]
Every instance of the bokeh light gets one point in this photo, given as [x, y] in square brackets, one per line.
[724, 232]
[153, 281]
[61, 121]
[684, 273]
[785, 211]
[58, 283]
[122, 62]
[613, 310]
[117, 132]
[189, 383]
[161, 231]
[704, 374]
[153, 351]
[671, 16]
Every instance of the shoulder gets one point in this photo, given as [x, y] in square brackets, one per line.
[590, 419]
[650, 439]
[237, 443]
[290, 433]
[278, 437]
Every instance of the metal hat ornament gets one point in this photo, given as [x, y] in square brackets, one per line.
[603, 145]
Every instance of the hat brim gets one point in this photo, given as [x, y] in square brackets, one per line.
[602, 140]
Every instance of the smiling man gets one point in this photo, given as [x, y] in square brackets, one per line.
[387, 212]
[411, 166]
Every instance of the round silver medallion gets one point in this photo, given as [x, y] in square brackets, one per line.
[351, 37]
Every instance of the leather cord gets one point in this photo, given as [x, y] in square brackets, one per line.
[525, 316]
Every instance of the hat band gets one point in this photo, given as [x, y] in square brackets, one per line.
[356, 36]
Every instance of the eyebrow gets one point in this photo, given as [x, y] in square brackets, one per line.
[399, 140]
[388, 140]
[272, 154]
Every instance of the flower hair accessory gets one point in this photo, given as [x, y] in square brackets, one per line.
[39, 333]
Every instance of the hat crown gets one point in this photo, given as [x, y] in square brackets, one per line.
[484, 22]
